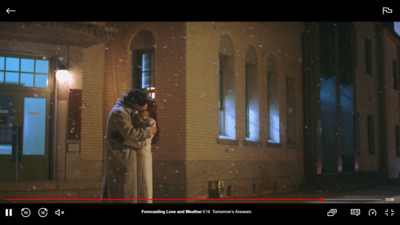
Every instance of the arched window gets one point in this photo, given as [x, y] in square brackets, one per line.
[226, 103]
[251, 92]
[273, 101]
[142, 47]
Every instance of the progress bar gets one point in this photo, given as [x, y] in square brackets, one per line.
[201, 199]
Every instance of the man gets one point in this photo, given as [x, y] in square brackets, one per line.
[119, 180]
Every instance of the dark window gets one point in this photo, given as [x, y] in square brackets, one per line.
[368, 56]
[397, 136]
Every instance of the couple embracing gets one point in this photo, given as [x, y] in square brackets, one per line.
[131, 129]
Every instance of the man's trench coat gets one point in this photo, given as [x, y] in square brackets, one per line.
[119, 178]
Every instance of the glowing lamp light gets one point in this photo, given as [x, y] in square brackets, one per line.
[63, 75]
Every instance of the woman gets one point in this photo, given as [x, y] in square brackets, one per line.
[143, 152]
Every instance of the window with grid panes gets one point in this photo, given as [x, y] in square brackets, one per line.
[26, 72]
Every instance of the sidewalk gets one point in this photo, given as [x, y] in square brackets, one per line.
[388, 193]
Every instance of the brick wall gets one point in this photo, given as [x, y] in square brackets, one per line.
[392, 55]
[243, 167]
[366, 97]
[92, 103]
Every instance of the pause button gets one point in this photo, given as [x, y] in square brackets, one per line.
[8, 212]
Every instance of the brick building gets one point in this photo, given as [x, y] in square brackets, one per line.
[193, 152]
[248, 107]
[351, 100]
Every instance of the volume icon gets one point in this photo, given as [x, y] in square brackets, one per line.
[8, 212]
[59, 212]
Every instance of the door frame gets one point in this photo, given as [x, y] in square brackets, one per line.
[19, 93]
[23, 166]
